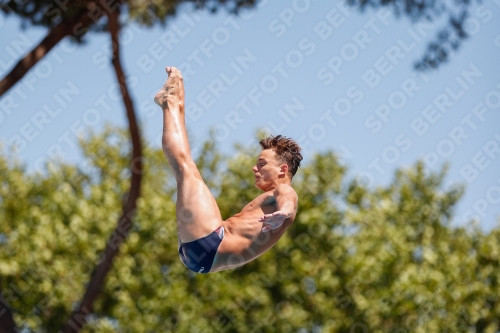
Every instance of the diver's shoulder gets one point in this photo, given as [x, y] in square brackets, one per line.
[285, 188]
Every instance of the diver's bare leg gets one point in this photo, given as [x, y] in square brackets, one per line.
[197, 212]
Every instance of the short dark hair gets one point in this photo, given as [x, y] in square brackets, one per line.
[287, 151]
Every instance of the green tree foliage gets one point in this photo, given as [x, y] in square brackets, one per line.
[356, 259]
[449, 38]
[49, 13]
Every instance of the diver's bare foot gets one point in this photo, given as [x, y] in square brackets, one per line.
[171, 96]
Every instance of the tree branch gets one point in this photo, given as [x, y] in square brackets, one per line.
[77, 320]
[75, 26]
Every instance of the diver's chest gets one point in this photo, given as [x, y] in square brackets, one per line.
[265, 204]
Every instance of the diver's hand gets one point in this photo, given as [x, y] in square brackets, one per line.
[274, 220]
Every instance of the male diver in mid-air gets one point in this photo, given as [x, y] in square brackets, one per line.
[207, 243]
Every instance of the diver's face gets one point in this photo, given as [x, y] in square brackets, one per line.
[267, 170]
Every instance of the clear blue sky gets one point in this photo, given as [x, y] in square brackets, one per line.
[324, 74]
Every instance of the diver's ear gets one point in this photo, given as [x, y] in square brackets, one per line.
[283, 170]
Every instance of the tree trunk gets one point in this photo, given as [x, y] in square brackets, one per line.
[75, 26]
[77, 320]
[7, 324]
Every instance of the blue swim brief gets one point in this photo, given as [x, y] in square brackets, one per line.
[199, 254]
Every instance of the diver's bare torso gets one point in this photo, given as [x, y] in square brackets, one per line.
[243, 239]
